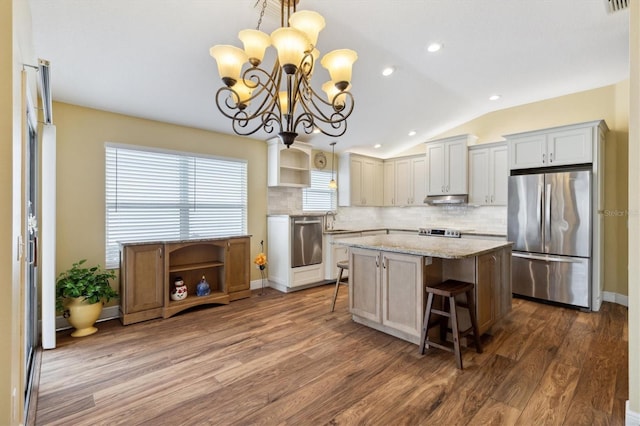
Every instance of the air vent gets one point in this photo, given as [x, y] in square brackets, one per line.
[616, 5]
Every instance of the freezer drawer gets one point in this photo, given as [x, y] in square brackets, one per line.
[556, 278]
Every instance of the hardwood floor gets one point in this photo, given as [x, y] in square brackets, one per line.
[284, 359]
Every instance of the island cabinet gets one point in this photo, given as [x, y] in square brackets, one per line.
[389, 275]
[149, 270]
[387, 290]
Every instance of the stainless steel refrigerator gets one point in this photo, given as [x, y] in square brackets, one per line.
[549, 222]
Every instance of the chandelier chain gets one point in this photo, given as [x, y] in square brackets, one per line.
[264, 7]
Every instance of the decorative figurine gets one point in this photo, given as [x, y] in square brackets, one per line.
[203, 288]
[179, 291]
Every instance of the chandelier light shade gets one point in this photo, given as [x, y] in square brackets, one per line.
[282, 99]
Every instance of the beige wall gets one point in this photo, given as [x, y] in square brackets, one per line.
[609, 103]
[7, 320]
[81, 136]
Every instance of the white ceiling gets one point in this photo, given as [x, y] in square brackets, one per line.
[150, 58]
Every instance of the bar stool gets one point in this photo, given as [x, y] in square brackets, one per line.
[448, 290]
[342, 266]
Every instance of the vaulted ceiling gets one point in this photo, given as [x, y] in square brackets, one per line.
[150, 58]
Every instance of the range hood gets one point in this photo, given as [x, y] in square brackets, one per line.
[439, 200]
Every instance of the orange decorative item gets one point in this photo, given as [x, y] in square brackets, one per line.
[261, 262]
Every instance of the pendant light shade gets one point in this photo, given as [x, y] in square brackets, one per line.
[331, 90]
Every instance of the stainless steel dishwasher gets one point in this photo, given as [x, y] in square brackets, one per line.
[306, 241]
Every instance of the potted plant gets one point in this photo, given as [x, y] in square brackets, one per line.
[80, 294]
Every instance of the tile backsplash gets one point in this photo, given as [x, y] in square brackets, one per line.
[490, 219]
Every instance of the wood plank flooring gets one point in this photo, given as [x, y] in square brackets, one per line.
[284, 359]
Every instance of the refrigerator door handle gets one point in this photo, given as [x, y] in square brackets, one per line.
[540, 207]
[547, 216]
[549, 258]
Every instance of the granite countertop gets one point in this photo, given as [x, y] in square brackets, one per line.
[446, 248]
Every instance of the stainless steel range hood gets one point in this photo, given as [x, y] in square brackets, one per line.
[439, 200]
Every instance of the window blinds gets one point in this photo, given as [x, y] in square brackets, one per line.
[319, 197]
[164, 195]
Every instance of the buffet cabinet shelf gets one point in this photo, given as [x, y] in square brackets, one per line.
[148, 273]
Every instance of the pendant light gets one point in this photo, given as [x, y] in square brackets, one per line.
[333, 184]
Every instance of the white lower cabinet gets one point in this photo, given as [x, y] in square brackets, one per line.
[383, 288]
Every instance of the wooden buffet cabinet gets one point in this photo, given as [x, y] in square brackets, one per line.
[148, 271]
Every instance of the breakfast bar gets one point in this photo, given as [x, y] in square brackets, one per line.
[388, 275]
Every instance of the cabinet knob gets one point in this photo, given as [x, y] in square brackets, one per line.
[551, 157]
[544, 156]
[377, 261]
[486, 198]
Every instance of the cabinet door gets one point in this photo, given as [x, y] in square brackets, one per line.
[419, 179]
[355, 175]
[436, 167]
[498, 175]
[456, 167]
[371, 182]
[364, 284]
[143, 280]
[486, 287]
[572, 146]
[402, 292]
[404, 191]
[236, 266]
[528, 151]
[479, 176]
[389, 184]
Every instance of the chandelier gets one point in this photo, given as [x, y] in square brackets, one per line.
[284, 99]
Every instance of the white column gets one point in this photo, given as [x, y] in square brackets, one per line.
[48, 244]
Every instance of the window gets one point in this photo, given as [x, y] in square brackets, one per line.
[154, 195]
[318, 197]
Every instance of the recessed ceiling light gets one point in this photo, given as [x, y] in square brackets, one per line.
[376, 146]
[412, 133]
[388, 71]
[434, 47]
[494, 97]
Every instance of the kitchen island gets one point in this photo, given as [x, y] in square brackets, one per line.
[388, 275]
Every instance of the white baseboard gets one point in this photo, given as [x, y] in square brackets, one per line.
[257, 284]
[108, 313]
[620, 299]
[632, 418]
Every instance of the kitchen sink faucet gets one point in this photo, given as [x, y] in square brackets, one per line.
[329, 223]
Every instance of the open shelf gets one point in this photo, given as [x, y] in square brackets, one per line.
[194, 266]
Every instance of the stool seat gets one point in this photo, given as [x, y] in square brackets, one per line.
[448, 291]
[344, 265]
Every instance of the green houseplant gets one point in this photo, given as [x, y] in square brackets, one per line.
[80, 294]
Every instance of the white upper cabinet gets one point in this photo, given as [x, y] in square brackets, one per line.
[360, 181]
[488, 174]
[559, 146]
[405, 181]
[288, 166]
[447, 165]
